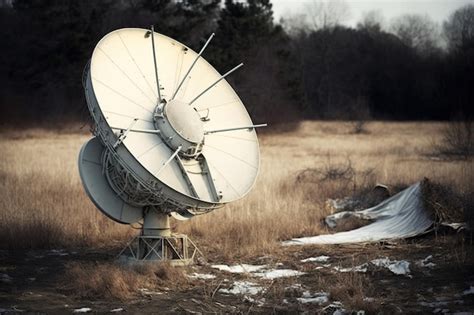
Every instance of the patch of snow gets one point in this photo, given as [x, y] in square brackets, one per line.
[259, 271]
[434, 304]
[427, 263]
[224, 306]
[398, 267]
[361, 268]
[440, 303]
[369, 299]
[149, 292]
[401, 267]
[243, 288]
[279, 273]
[468, 291]
[306, 294]
[5, 278]
[243, 268]
[201, 276]
[316, 298]
[444, 298]
[57, 252]
[82, 310]
[381, 262]
[116, 310]
[258, 302]
[455, 225]
[316, 259]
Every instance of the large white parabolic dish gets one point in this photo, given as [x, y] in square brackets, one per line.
[121, 93]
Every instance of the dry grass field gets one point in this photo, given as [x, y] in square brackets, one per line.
[43, 204]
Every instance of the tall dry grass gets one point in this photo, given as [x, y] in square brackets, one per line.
[110, 280]
[43, 204]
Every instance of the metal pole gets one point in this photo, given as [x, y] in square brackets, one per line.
[192, 65]
[139, 130]
[154, 61]
[124, 134]
[212, 85]
[169, 160]
[236, 128]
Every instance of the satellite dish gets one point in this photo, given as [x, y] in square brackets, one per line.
[172, 138]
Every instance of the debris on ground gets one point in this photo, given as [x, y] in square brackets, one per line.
[335, 308]
[426, 263]
[397, 217]
[243, 288]
[409, 213]
[342, 204]
[317, 298]
[359, 202]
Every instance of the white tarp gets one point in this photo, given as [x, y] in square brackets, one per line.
[399, 216]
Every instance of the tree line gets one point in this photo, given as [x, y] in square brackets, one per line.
[301, 67]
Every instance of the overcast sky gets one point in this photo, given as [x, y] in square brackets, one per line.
[438, 10]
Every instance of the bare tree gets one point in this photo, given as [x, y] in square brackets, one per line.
[294, 24]
[459, 28]
[417, 31]
[5, 3]
[324, 14]
[372, 21]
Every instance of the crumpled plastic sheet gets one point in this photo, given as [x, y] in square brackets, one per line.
[400, 216]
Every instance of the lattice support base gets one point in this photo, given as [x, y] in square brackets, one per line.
[177, 249]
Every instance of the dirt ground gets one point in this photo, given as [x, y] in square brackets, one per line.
[31, 281]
